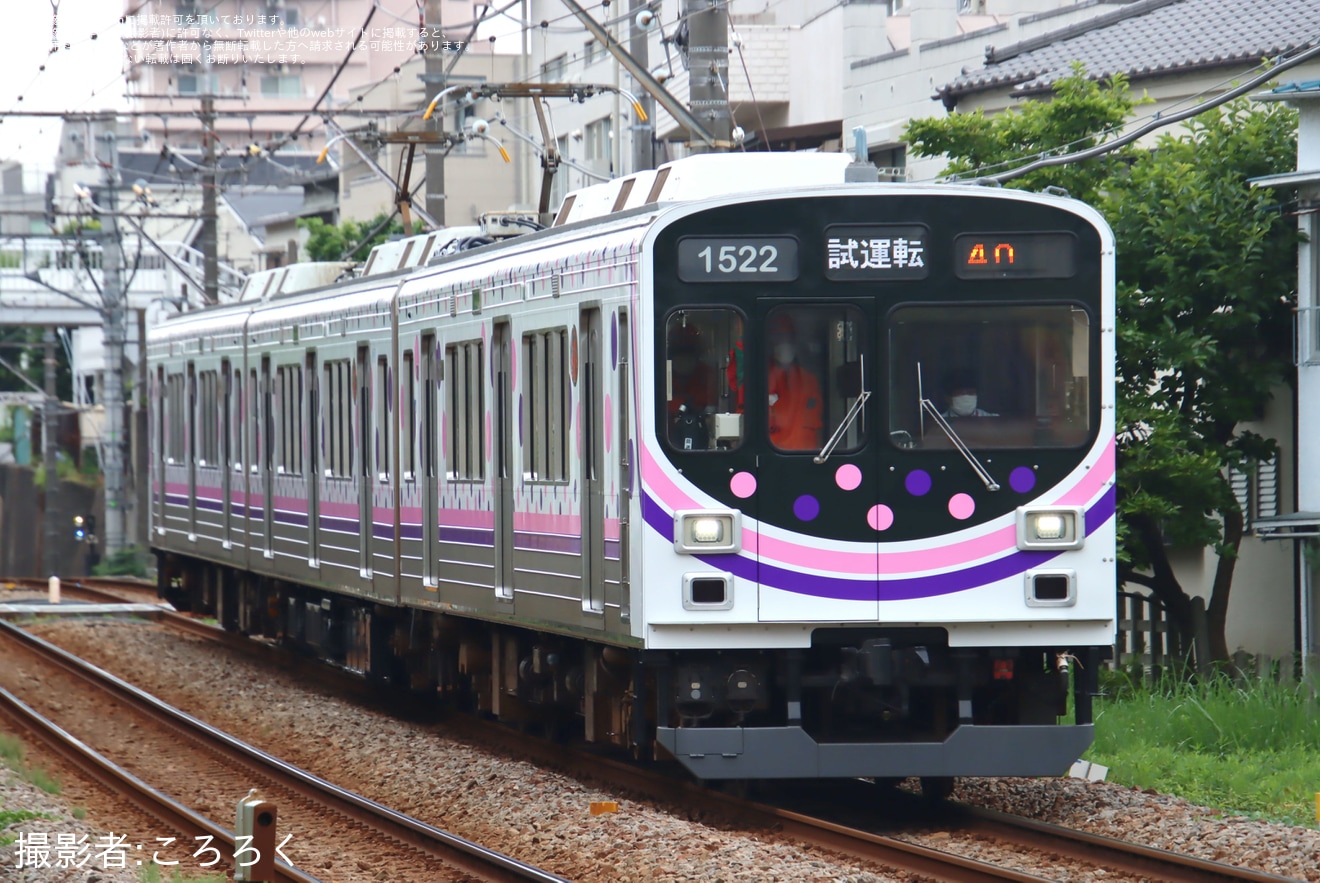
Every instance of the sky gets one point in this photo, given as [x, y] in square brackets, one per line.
[87, 76]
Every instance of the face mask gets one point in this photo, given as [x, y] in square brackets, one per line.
[784, 354]
[963, 406]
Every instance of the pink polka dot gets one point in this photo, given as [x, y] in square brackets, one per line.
[848, 477]
[881, 517]
[961, 506]
[743, 485]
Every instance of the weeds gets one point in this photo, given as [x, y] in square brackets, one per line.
[11, 752]
[1246, 749]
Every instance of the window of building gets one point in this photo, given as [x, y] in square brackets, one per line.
[553, 70]
[591, 52]
[599, 137]
[281, 85]
[890, 162]
[191, 80]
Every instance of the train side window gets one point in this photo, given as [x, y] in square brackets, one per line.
[289, 450]
[384, 452]
[338, 460]
[465, 383]
[545, 405]
[208, 420]
[703, 379]
[407, 416]
[174, 416]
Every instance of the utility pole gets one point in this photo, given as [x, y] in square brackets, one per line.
[643, 148]
[210, 260]
[50, 413]
[433, 82]
[708, 66]
[115, 321]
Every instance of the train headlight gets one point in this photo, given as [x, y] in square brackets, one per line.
[1059, 527]
[706, 531]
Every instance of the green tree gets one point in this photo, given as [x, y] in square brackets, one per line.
[1205, 269]
[349, 241]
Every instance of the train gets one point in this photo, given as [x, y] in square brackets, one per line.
[736, 463]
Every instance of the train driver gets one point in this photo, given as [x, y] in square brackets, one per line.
[960, 389]
[795, 402]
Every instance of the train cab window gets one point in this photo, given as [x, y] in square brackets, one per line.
[996, 376]
[814, 364]
[702, 372]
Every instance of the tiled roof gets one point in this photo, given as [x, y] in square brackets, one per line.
[1145, 39]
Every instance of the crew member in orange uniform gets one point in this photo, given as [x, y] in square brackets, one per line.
[795, 403]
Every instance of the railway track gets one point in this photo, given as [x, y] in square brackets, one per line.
[427, 850]
[799, 820]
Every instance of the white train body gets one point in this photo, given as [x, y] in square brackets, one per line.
[552, 475]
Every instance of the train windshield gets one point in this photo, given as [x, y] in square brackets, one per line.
[1002, 376]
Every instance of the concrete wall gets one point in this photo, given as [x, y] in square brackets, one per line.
[22, 513]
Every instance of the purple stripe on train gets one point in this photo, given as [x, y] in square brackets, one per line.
[547, 542]
[900, 589]
[298, 519]
[472, 536]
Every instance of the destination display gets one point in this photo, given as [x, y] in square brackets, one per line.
[737, 259]
[876, 252]
[1015, 255]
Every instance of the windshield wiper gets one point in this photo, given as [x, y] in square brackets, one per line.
[929, 407]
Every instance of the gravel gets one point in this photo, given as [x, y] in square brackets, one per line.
[543, 817]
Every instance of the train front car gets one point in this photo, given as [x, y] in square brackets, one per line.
[878, 482]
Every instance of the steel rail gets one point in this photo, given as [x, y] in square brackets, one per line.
[464, 855]
[100, 769]
[1107, 852]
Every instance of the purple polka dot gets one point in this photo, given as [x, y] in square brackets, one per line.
[1022, 479]
[880, 517]
[918, 482]
[743, 485]
[848, 477]
[961, 506]
[806, 507]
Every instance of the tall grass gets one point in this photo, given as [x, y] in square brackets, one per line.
[1252, 750]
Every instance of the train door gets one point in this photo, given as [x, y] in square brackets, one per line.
[267, 460]
[592, 502]
[226, 457]
[312, 440]
[430, 466]
[191, 430]
[623, 401]
[818, 462]
[502, 359]
[366, 513]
